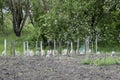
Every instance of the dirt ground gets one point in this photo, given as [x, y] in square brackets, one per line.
[54, 68]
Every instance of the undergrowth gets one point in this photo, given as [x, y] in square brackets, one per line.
[102, 61]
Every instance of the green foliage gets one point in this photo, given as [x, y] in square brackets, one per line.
[10, 36]
[87, 61]
[72, 19]
[68, 20]
[102, 61]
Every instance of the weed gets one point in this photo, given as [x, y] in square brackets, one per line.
[102, 61]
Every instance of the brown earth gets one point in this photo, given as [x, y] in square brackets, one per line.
[54, 68]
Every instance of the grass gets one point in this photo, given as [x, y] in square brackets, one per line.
[10, 36]
[102, 61]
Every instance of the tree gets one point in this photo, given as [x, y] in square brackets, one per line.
[70, 19]
[19, 13]
[1, 16]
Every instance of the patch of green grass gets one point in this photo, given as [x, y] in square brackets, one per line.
[10, 36]
[102, 61]
[87, 61]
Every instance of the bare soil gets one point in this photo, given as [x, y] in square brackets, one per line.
[54, 68]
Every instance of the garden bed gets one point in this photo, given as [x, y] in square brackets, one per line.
[54, 68]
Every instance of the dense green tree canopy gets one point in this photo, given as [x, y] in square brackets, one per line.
[70, 19]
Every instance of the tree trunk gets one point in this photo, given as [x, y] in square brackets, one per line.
[19, 19]
[2, 20]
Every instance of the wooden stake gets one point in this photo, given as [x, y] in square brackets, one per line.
[41, 48]
[77, 52]
[4, 51]
[92, 47]
[36, 45]
[60, 46]
[12, 48]
[96, 45]
[5, 46]
[71, 45]
[67, 47]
